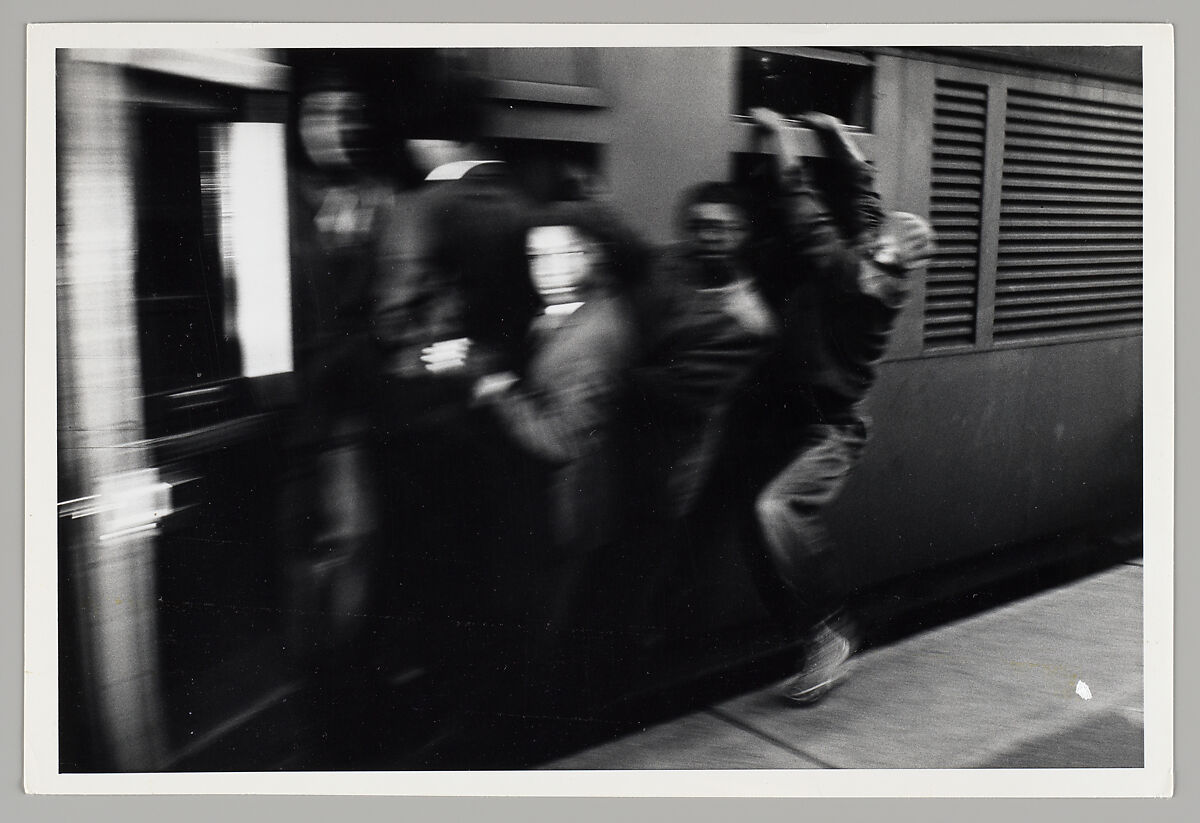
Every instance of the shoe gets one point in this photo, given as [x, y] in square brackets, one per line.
[826, 663]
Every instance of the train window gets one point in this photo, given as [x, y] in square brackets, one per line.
[252, 193]
[213, 272]
[550, 170]
[177, 276]
[547, 65]
[797, 80]
[553, 76]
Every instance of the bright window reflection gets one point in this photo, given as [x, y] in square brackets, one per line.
[254, 240]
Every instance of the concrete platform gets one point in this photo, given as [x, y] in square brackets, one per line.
[996, 690]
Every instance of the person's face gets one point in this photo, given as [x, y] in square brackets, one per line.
[558, 262]
[329, 123]
[716, 231]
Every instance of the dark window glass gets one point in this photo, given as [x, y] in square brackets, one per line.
[550, 170]
[794, 81]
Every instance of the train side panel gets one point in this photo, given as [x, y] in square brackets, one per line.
[973, 453]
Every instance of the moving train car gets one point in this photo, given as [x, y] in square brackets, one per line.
[1008, 410]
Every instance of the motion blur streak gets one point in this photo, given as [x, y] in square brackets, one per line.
[100, 405]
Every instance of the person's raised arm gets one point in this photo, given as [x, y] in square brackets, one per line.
[554, 426]
[825, 241]
[557, 422]
[891, 244]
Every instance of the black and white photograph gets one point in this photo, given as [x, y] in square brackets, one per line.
[439, 408]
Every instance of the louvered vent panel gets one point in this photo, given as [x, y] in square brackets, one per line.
[951, 292]
[1070, 250]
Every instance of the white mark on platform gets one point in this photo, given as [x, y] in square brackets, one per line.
[1083, 691]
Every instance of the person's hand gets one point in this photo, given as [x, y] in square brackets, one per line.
[491, 385]
[820, 121]
[833, 135]
[774, 124]
[905, 242]
[446, 356]
[768, 119]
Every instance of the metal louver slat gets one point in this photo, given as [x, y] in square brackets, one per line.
[1015, 211]
[1058, 327]
[948, 334]
[1032, 102]
[1078, 198]
[948, 290]
[948, 194]
[950, 220]
[1057, 224]
[1058, 108]
[948, 150]
[951, 106]
[1123, 233]
[1094, 247]
[1070, 235]
[964, 181]
[1094, 183]
[1043, 285]
[1122, 141]
[1018, 312]
[959, 128]
[958, 208]
[1051, 297]
[961, 91]
[941, 167]
[1085, 148]
[955, 261]
[1106, 126]
[961, 321]
[966, 306]
[1084, 264]
[953, 235]
[1014, 276]
[1077, 159]
[1061, 169]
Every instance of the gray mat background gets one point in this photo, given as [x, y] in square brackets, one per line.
[17, 806]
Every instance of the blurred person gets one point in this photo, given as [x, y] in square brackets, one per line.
[453, 245]
[338, 200]
[562, 409]
[843, 282]
[706, 326]
[567, 411]
[453, 269]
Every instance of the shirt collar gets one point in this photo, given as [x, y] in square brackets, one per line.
[457, 170]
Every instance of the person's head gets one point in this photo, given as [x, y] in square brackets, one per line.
[561, 262]
[335, 119]
[331, 127]
[713, 221]
[436, 108]
[905, 242]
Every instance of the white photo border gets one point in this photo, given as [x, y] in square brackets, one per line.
[41, 656]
